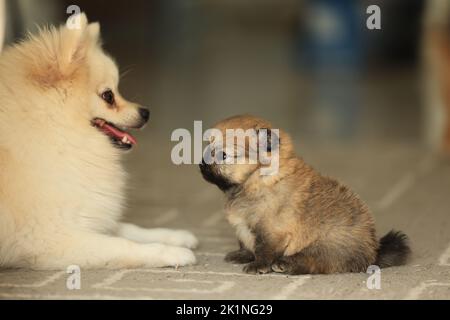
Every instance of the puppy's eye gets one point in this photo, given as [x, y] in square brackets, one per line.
[221, 156]
[108, 97]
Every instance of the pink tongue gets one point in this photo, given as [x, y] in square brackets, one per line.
[117, 133]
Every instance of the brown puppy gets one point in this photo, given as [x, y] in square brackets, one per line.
[295, 221]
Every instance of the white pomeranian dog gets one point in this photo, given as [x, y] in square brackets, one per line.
[62, 134]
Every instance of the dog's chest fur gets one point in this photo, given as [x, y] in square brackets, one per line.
[86, 188]
[245, 211]
[99, 190]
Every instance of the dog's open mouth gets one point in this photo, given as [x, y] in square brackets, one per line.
[119, 137]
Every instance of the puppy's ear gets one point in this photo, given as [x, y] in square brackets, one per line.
[268, 139]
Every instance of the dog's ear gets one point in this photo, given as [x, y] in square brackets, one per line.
[94, 32]
[57, 54]
[77, 37]
[268, 139]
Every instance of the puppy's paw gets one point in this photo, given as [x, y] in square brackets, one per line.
[176, 256]
[257, 268]
[288, 266]
[240, 256]
[181, 238]
[280, 266]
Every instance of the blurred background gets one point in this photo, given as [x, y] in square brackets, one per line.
[310, 66]
[351, 97]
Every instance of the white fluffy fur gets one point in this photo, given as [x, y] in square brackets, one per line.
[61, 180]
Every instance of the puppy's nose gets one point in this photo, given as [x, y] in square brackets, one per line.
[204, 165]
[144, 113]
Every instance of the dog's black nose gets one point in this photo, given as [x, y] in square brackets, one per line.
[144, 113]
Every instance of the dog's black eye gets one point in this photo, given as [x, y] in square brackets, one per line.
[224, 156]
[108, 96]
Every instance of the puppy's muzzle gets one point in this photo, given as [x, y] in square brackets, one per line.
[210, 175]
[204, 167]
[207, 171]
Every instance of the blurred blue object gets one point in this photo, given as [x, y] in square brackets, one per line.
[332, 52]
[333, 34]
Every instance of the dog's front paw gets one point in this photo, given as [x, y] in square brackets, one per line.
[176, 256]
[257, 268]
[182, 238]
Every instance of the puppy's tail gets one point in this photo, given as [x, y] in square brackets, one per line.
[394, 250]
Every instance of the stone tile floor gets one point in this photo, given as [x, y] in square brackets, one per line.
[406, 187]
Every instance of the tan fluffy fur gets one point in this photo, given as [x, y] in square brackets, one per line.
[296, 221]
